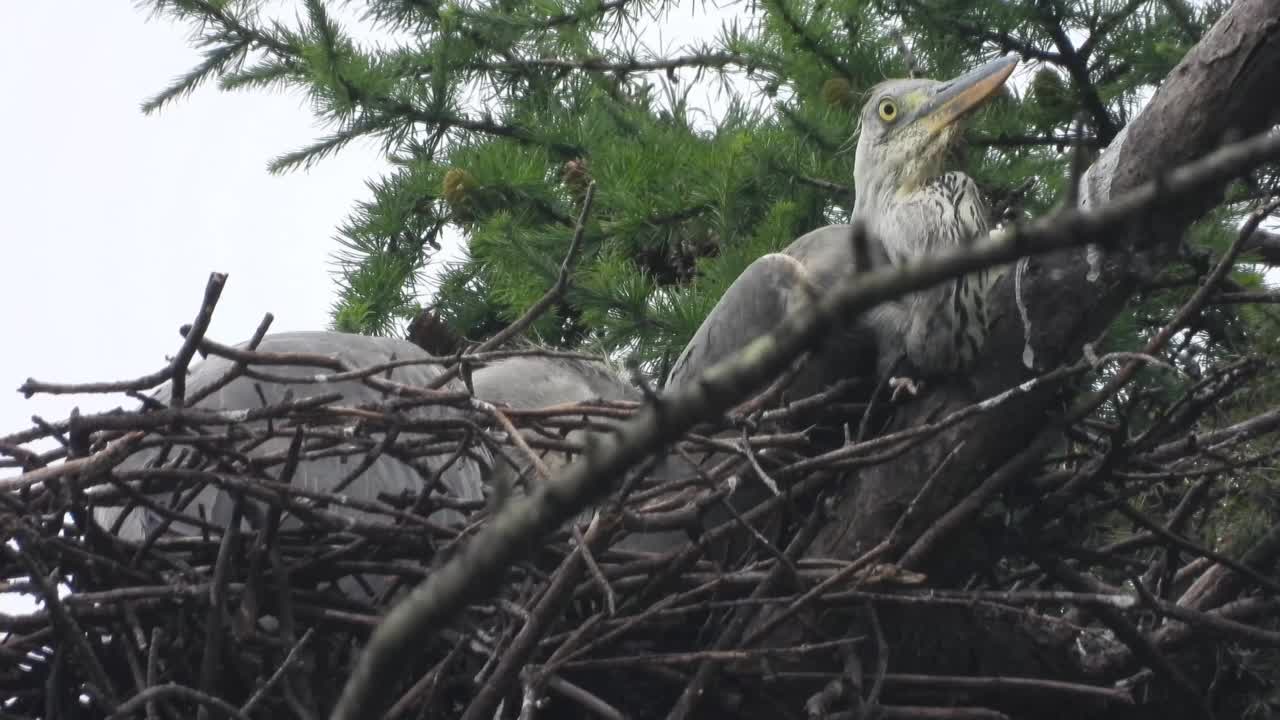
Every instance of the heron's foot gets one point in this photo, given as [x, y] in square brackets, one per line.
[899, 384]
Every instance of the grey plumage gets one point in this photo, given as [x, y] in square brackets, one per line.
[903, 197]
[777, 283]
[911, 208]
[914, 208]
[386, 475]
[532, 381]
[541, 381]
[536, 382]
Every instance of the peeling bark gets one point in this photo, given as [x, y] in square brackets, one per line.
[1223, 89]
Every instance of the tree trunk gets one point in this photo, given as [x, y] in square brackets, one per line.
[1224, 89]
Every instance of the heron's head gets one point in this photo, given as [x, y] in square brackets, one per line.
[907, 126]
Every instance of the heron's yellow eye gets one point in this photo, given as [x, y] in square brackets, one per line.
[888, 110]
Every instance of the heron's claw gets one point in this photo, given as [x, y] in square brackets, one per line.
[904, 383]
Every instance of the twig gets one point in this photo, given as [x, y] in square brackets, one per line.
[1130, 636]
[553, 601]
[1077, 66]
[1195, 548]
[914, 69]
[711, 656]
[213, 290]
[793, 607]
[916, 712]
[1243, 298]
[600, 64]
[972, 504]
[236, 368]
[708, 670]
[196, 331]
[766, 397]
[95, 464]
[153, 669]
[610, 598]
[1218, 582]
[588, 700]
[517, 439]
[426, 684]
[174, 690]
[215, 620]
[478, 566]
[843, 191]
[919, 432]
[64, 622]
[544, 303]
[257, 357]
[261, 693]
[882, 656]
[1004, 684]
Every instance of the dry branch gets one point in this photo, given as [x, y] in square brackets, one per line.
[516, 608]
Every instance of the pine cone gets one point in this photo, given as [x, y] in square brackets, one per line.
[457, 188]
[434, 334]
[837, 92]
[576, 176]
[1052, 98]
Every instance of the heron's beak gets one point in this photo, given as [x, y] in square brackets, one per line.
[951, 100]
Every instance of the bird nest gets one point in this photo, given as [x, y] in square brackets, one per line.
[270, 617]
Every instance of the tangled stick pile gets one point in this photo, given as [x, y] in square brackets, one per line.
[268, 619]
[234, 561]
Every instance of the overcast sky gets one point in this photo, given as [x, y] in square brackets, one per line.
[111, 221]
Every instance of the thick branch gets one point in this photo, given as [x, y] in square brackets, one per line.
[480, 566]
[1050, 308]
[1076, 64]
[1267, 245]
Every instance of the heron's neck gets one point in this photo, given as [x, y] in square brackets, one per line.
[946, 209]
[898, 186]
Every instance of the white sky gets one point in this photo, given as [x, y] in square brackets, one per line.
[111, 221]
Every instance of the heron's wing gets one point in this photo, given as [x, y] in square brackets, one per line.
[827, 255]
[754, 304]
[532, 382]
[774, 284]
[867, 346]
[539, 381]
[386, 475]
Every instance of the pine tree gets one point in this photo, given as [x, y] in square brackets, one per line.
[498, 115]
[495, 115]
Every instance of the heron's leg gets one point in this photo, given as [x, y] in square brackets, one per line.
[894, 326]
[903, 383]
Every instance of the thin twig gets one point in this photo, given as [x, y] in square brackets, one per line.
[261, 693]
[544, 303]
[174, 690]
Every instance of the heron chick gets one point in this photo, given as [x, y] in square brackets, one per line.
[914, 208]
[911, 207]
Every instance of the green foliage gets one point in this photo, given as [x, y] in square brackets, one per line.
[498, 114]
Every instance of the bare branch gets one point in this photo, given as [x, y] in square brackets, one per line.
[479, 566]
